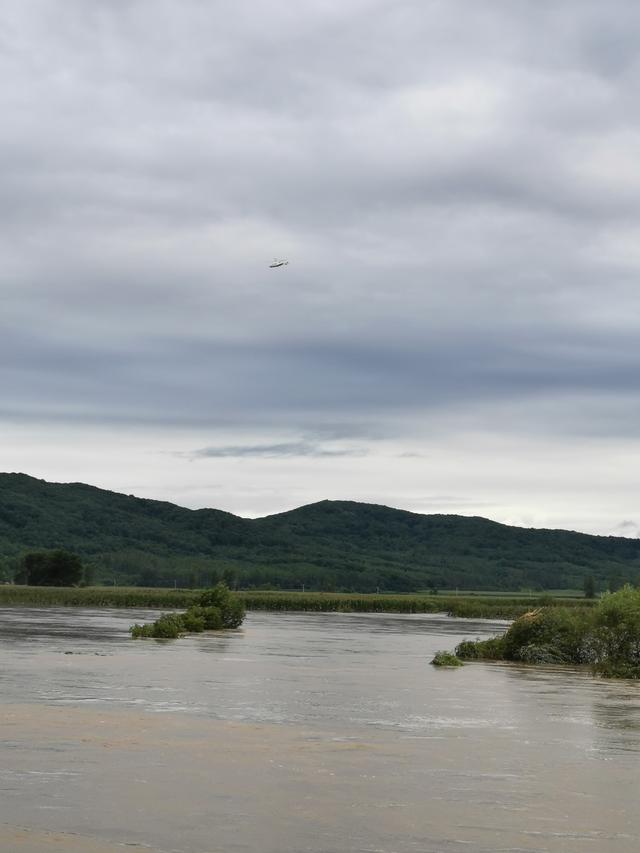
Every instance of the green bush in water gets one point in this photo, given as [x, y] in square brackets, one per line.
[492, 649]
[211, 617]
[169, 626]
[218, 608]
[230, 607]
[607, 637]
[446, 659]
[140, 631]
[615, 638]
[192, 622]
[558, 631]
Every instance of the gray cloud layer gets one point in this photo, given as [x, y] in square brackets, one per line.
[270, 451]
[455, 184]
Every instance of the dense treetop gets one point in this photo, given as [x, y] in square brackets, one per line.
[326, 545]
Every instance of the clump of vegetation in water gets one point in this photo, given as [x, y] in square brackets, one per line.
[446, 659]
[605, 637]
[216, 609]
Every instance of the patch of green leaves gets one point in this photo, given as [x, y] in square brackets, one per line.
[446, 659]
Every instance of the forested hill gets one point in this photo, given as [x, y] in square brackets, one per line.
[327, 545]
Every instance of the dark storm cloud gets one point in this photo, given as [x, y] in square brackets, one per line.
[191, 383]
[455, 184]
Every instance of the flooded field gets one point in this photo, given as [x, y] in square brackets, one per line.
[300, 733]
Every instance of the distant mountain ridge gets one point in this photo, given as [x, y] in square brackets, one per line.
[325, 545]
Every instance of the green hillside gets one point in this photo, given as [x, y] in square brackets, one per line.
[327, 545]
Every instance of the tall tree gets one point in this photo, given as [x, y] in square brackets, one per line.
[50, 568]
[589, 587]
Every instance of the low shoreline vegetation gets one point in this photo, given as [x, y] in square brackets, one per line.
[467, 605]
[446, 659]
[96, 596]
[217, 609]
[605, 637]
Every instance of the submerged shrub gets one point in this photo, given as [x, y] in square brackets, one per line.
[233, 614]
[551, 628]
[446, 659]
[607, 637]
[139, 631]
[228, 605]
[193, 622]
[211, 617]
[217, 608]
[540, 653]
[168, 626]
[468, 650]
[492, 649]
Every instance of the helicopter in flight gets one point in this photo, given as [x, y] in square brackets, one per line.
[278, 262]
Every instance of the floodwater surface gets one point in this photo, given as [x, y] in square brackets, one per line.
[304, 733]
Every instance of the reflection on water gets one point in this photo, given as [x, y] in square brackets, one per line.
[527, 758]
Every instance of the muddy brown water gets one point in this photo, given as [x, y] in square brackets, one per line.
[304, 733]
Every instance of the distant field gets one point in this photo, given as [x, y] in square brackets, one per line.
[476, 605]
[96, 596]
[471, 605]
[526, 594]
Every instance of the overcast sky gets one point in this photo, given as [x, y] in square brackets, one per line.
[457, 187]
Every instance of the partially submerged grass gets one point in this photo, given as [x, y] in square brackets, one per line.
[446, 659]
